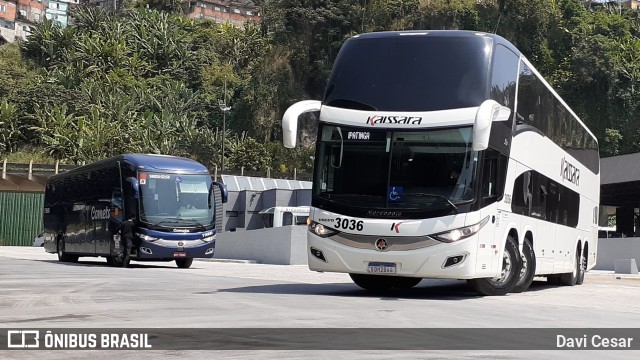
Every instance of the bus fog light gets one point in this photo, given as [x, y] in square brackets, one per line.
[146, 250]
[209, 251]
[454, 260]
[318, 254]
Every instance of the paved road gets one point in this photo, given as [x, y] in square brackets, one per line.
[38, 291]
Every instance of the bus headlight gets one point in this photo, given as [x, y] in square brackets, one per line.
[146, 237]
[321, 230]
[461, 233]
[209, 238]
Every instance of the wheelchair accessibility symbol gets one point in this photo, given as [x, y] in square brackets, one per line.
[394, 193]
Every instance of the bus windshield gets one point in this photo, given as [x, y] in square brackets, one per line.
[410, 73]
[417, 170]
[176, 200]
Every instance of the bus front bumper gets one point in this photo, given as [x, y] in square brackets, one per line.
[446, 261]
[175, 249]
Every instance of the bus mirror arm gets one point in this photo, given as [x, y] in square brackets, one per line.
[488, 112]
[290, 120]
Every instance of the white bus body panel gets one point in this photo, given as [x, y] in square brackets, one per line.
[481, 251]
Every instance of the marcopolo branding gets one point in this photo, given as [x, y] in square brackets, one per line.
[358, 135]
[569, 172]
[99, 214]
[394, 119]
[384, 213]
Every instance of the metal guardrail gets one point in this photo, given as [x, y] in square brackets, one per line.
[52, 169]
[34, 169]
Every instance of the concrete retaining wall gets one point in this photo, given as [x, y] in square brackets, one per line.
[612, 249]
[285, 245]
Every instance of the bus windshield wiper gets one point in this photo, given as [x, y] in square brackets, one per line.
[195, 222]
[418, 194]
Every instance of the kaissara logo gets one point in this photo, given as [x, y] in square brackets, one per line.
[396, 226]
[569, 172]
[394, 119]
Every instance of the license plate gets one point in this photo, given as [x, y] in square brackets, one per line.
[382, 268]
[179, 254]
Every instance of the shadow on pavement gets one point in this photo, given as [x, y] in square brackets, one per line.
[427, 289]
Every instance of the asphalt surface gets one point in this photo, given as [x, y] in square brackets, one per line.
[37, 291]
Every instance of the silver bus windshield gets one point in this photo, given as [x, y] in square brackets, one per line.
[419, 170]
[175, 200]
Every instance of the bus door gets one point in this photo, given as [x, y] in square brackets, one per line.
[76, 229]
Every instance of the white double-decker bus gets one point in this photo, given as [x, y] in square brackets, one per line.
[445, 154]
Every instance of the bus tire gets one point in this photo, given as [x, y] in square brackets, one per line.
[583, 268]
[110, 260]
[506, 281]
[571, 279]
[403, 282]
[184, 263]
[373, 282]
[62, 255]
[528, 268]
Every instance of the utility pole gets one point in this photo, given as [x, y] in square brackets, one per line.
[223, 106]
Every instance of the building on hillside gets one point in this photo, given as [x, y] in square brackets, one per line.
[8, 19]
[235, 12]
[58, 10]
[631, 4]
[28, 13]
[616, 5]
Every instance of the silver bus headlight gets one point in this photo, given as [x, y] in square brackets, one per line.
[146, 237]
[461, 233]
[321, 230]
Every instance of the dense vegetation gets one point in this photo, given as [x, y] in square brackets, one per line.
[143, 80]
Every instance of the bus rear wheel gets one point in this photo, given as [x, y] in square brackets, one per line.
[506, 281]
[528, 269]
[576, 277]
[62, 255]
[583, 268]
[373, 282]
[184, 263]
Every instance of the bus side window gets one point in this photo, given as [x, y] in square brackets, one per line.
[116, 205]
[493, 172]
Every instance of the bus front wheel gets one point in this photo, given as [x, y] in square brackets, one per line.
[373, 282]
[506, 281]
[402, 282]
[184, 263]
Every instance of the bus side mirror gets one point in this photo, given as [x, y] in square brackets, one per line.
[135, 186]
[224, 193]
[488, 112]
[290, 120]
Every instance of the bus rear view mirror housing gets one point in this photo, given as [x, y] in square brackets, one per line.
[224, 193]
[290, 120]
[488, 112]
[135, 186]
